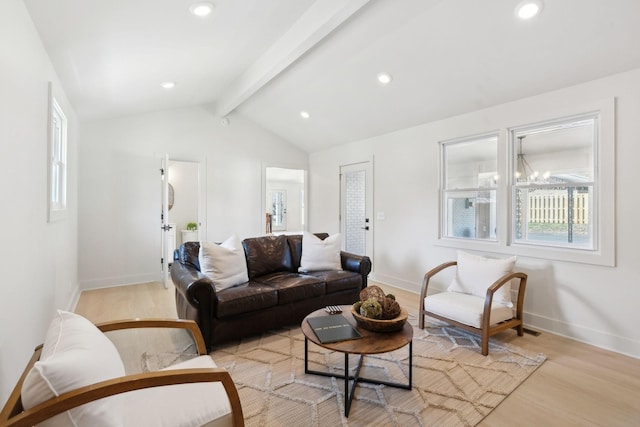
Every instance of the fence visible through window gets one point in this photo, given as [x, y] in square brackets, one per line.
[555, 208]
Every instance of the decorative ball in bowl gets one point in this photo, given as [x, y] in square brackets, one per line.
[381, 325]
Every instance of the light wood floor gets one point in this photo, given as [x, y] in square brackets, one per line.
[578, 384]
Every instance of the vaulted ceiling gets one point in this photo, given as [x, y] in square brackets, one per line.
[271, 59]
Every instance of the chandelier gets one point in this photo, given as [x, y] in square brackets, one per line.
[524, 171]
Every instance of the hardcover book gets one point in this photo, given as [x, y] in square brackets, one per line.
[333, 328]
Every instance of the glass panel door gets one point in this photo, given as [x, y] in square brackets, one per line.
[356, 208]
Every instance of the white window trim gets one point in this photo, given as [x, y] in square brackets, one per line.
[56, 212]
[605, 253]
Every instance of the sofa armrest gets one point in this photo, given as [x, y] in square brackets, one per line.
[199, 292]
[194, 286]
[358, 264]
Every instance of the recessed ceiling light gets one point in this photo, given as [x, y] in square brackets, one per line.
[168, 85]
[384, 78]
[528, 9]
[202, 8]
[304, 114]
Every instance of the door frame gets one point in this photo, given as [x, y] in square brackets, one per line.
[165, 160]
[164, 219]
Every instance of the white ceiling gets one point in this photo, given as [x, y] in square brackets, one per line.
[270, 59]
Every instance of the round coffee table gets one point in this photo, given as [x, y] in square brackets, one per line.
[370, 343]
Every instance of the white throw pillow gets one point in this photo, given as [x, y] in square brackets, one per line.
[475, 274]
[224, 264]
[318, 254]
[75, 354]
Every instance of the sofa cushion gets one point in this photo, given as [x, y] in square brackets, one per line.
[294, 287]
[224, 264]
[465, 308]
[318, 254]
[245, 298]
[476, 273]
[189, 253]
[339, 280]
[266, 254]
[183, 405]
[75, 354]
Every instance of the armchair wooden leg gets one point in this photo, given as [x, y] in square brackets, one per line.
[485, 343]
[421, 319]
[520, 329]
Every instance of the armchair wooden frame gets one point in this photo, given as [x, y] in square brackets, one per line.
[14, 415]
[486, 330]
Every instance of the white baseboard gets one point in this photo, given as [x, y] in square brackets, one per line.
[395, 282]
[73, 301]
[582, 334]
[109, 282]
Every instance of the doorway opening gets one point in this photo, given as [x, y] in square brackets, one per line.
[183, 177]
[182, 208]
[284, 196]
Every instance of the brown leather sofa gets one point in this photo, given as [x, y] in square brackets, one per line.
[275, 295]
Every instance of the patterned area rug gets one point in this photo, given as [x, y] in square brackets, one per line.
[453, 384]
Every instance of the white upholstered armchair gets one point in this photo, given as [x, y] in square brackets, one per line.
[479, 298]
[78, 378]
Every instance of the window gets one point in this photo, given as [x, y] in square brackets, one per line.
[470, 178]
[541, 190]
[57, 162]
[554, 189]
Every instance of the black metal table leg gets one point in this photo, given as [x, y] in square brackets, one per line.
[410, 364]
[350, 392]
[347, 399]
[306, 355]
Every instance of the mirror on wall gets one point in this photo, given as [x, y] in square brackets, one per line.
[284, 196]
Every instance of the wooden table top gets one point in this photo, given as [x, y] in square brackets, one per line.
[370, 343]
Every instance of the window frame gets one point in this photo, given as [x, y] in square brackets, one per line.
[605, 152]
[444, 213]
[57, 160]
[515, 185]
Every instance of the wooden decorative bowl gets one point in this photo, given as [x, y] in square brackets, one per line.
[377, 325]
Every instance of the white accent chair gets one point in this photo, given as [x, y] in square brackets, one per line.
[77, 377]
[478, 299]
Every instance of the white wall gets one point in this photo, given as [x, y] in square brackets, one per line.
[39, 259]
[119, 188]
[592, 303]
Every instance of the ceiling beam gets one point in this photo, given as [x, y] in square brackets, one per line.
[320, 20]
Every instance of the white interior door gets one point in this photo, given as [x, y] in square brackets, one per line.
[356, 208]
[164, 219]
